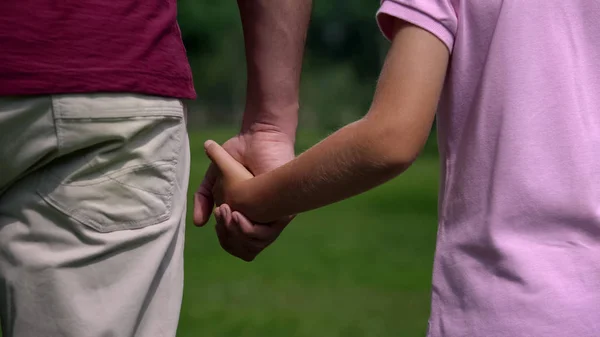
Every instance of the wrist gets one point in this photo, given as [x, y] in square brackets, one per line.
[271, 118]
[246, 201]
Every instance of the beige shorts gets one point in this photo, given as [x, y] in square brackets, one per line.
[92, 215]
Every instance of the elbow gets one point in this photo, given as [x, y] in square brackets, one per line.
[397, 161]
[395, 151]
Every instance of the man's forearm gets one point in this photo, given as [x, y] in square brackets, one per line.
[275, 35]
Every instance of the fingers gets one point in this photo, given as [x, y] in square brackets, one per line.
[259, 231]
[225, 162]
[243, 239]
[203, 198]
[222, 233]
[243, 224]
[220, 229]
[230, 238]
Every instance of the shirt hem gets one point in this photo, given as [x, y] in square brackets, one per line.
[391, 8]
[109, 81]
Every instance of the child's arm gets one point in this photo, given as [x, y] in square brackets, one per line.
[361, 155]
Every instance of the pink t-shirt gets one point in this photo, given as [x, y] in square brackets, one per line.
[518, 249]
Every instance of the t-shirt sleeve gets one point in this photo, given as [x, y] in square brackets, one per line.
[436, 16]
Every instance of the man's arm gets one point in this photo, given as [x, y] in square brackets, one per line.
[274, 34]
[361, 155]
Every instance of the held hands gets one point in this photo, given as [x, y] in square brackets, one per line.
[232, 174]
[237, 235]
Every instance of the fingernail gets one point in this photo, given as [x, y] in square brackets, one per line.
[208, 143]
[217, 211]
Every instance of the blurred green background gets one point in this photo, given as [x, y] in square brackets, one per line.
[344, 53]
[361, 267]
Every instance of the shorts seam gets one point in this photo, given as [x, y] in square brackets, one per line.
[169, 202]
[55, 115]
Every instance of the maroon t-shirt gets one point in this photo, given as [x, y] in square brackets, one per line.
[81, 46]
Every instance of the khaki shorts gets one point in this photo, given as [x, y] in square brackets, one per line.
[92, 215]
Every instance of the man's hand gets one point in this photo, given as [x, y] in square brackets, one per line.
[260, 150]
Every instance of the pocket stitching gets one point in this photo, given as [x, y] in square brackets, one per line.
[168, 194]
[86, 221]
[169, 114]
[115, 174]
[117, 114]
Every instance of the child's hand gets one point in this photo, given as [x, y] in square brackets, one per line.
[233, 173]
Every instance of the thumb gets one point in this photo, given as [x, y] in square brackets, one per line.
[225, 162]
[203, 198]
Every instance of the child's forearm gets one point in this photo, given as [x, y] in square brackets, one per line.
[355, 159]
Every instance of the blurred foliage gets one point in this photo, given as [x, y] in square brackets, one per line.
[342, 61]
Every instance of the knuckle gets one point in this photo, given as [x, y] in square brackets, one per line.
[249, 232]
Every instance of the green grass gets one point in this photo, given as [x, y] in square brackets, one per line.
[361, 267]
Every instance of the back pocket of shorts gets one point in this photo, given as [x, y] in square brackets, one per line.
[115, 173]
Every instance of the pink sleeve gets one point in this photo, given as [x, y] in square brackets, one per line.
[436, 16]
